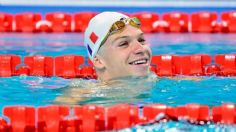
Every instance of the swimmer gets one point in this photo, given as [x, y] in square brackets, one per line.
[118, 49]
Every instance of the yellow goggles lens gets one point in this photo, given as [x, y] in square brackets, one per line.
[135, 22]
[120, 25]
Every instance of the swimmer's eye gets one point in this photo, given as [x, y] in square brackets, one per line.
[141, 40]
[123, 44]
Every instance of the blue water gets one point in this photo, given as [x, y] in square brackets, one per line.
[182, 126]
[37, 91]
[72, 43]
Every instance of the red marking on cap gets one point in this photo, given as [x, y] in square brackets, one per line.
[93, 37]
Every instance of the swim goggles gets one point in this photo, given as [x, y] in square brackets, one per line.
[118, 26]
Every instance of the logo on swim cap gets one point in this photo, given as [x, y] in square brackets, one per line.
[93, 37]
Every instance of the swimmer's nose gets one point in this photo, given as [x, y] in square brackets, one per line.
[138, 48]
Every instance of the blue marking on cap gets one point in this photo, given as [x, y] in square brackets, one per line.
[89, 49]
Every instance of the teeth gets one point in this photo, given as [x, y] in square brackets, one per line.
[139, 62]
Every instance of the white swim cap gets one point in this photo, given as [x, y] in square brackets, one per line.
[98, 29]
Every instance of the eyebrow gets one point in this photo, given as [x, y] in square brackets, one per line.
[141, 34]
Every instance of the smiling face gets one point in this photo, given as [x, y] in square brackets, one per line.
[125, 53]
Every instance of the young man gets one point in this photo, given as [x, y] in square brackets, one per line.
[121, 57]
[117, 46]
[119, 51]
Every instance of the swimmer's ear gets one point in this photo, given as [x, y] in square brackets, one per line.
[98, 63]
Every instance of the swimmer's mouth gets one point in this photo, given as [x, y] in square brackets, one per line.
[139, 62]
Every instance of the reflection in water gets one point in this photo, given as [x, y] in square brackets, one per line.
[122, 90]
[180, 90]
[38, 91]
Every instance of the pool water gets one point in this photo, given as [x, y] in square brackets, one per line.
[182, 126]
[38, 91]
[57, 44]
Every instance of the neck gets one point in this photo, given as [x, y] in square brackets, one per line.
[106, 78]
[103, 76]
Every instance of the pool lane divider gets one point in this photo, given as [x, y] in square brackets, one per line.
[89, 118]
[77, 66]
[177, 22]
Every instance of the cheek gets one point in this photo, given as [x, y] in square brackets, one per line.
[118, 58]
[115, 56]
[111, 58]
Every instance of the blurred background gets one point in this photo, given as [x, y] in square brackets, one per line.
[160, 6]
